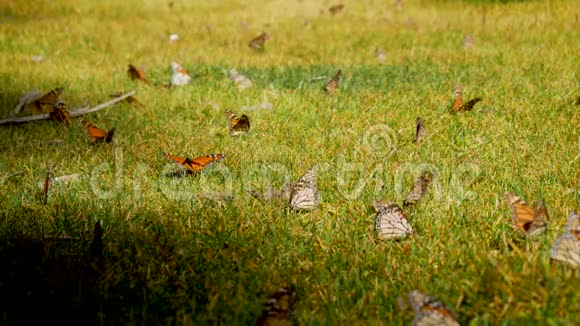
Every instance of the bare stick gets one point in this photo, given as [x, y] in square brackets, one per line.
[73, 113]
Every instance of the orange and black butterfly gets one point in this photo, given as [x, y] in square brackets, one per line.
[458, 105]
[332, 85]
[259, 41]
[429, 311]
[279, 309]
[526, 220]
[60, 113]
[390, 221]
[136, 74]
[197, 164]
[336, 9]
[97, 134]
[419, 189]
[237, 125]
[420, 130]
[46, 103]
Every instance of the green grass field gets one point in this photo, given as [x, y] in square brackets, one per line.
[201, 250]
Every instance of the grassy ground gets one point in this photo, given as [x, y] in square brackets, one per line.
[201, 250]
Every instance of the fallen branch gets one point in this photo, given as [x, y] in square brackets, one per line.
[73, 113]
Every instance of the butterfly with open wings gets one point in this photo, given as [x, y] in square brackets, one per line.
[526, 220]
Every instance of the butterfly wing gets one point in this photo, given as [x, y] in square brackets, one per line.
[47, 102]
[457, 100]
[60, 114]
[304, 195]
[136, 74]
[278, 310]
[332, 85]
[419, 189]
[566, 248]
[391, 223]
[258, 42]
[524, 219]
[469, 105]
[420, 131]
[429, 311]
[180, 75]
[237, 125]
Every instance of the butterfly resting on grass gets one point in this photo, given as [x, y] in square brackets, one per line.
[390, 221]
[420, 130]
[237, 125]
[429, 311]
[259, 41]
[137, 74]
[419, 189]
[98, 135]
[458, 105]
[566, 248]
[46, 102]
[304, 194]
[60, 113]
[526, 220]
[332, 86]
[195, 165]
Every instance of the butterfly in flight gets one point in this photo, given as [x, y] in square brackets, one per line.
[98, 135]
[335, 9]
[429, 311]
[180, 76]
[237, 125]
[458, 105]
[137, 74]
[526, 220]
[46, 102]
[304, 194]
[60, 113]
[195, 165]
[566, 248]
[420, 130]
[259, 42]
[419, 189]
[332, 86]
[279, 309]
[390, 221]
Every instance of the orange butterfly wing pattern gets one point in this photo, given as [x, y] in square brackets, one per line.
[46, 103]
[458, 105]
[136, 74]
[97, 134]
[332, 86]
[197, 164]
[259, 42]
[60, 114]
[278, 310]
[566, 248]
[429, 311]
[525, 220]
[237, 125]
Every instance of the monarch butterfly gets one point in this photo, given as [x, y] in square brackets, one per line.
[336, 9]
[525, 220]
[47, 182]
[97, 134]
[420, 130]
[259, 41]
[241, 81]
[566, 248]
[46, 102]
[429, 311]
[304, 194]
[180, 76]
[237, 125]
[60, 114]
[458, 105]
[197, 164]
[419, 189]
[279, 309]
[332, 85]
[390, 221]
[137, 74]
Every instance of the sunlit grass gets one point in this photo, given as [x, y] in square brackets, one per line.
[202, 250]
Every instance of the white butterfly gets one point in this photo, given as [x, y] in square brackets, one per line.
[180, 75]
[566, 248]
[390, 221]
[304, 195]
